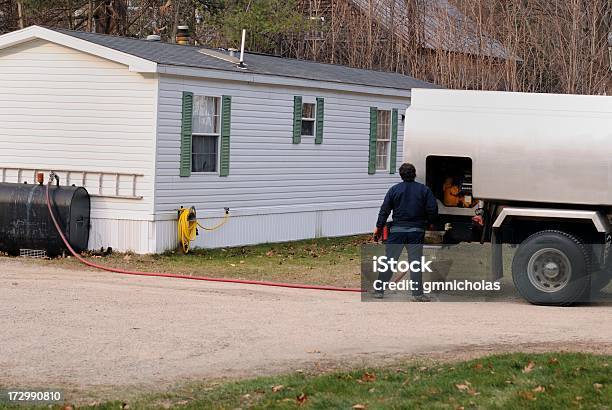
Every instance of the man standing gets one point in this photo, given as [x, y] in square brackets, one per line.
[414, 207]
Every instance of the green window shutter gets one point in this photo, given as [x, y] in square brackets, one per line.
[226, 121]
[297, 119]
[185, 163]
[319, 125]
[393, 153]
[373, 127]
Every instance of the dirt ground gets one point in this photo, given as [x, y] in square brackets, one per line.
[91, 331]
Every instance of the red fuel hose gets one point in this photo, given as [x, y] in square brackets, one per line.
[171, 275]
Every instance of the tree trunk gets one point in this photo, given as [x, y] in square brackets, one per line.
[21, 15]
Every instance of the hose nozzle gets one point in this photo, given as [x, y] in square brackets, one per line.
[192, 214]
[54, 176]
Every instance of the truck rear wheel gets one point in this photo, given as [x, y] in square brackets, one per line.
[551, 268]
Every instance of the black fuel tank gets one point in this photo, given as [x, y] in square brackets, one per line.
[25, 222]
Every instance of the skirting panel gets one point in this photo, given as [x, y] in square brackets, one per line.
[255, 229]
[122, 235]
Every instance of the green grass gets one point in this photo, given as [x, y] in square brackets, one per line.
[322, 261]
[328, 261]
[508, 381]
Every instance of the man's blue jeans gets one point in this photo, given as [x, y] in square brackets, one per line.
[413, 243]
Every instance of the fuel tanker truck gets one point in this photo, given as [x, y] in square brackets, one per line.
[530, 170]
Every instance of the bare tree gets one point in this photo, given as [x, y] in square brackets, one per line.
[555, 46]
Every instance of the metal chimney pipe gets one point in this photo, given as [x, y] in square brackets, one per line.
[182, 35]
[242, 48]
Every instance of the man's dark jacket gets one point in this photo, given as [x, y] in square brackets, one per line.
[413, 205]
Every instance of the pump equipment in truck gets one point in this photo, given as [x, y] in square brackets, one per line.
[537, 167]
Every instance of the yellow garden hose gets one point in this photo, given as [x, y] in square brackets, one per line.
[188, 226]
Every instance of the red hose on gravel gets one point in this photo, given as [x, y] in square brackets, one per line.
[171, 275]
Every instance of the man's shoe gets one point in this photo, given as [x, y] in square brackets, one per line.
[421, 298]
[378, 294]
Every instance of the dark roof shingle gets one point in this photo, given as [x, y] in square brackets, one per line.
[190, 56]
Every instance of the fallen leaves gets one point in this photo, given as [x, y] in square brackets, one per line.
[553, 360]
[529, 368]
[301, 398]
[277, 388]
[597, 386]
[466, 387]
[368, 377]
[360, 407]
[527, 395]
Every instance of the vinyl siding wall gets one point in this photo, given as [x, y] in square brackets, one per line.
[64, 109]
[277, 190]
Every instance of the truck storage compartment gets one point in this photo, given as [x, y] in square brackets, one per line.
[450, 179]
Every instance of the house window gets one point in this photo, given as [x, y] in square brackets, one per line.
[206, 127]
[383, 139]
[308, 119]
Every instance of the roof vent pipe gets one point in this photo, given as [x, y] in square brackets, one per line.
[153, 37]
[241, 64]
[182, 35]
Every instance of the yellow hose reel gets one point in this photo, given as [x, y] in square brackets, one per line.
[188, 226]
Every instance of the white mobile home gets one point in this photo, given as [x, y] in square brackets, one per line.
[295, 149]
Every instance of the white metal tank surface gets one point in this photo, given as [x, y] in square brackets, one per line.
[524, 147]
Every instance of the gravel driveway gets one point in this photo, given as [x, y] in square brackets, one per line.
[95, 330]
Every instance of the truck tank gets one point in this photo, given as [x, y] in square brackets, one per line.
[25, 222]
[528, 147]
